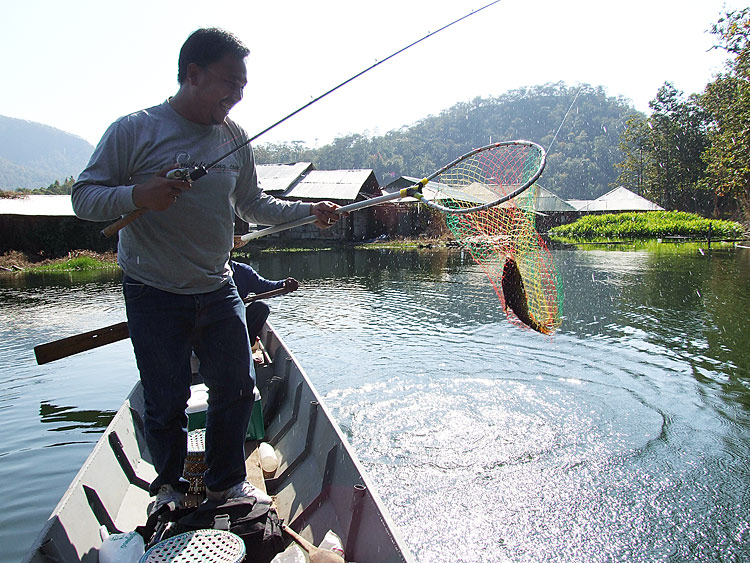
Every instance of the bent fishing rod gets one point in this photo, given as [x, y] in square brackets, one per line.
[193, 174]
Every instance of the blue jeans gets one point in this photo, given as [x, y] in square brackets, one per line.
[255, 316]
[165, 328]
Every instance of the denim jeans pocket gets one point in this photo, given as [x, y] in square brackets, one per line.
[133, 290]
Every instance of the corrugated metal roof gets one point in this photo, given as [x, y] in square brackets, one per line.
[578, 203]
[621, 199]
[40, 205]
[547, 202]
[278, 177]
[341, 185]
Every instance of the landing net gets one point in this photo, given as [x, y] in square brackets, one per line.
[503, 239]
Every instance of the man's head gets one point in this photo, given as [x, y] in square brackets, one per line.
[212, 76]
[206, 46]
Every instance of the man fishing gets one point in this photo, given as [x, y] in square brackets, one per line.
[177, 283]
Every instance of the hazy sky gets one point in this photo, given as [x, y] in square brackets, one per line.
[78, 65]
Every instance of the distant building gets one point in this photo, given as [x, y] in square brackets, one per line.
[551, 210]
[619, 200]
[46, 224]
[406, 217]
[36, 205]
[409, 219]
[301, 182]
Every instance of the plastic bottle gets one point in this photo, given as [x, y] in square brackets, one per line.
[268, 460]
[332, 542]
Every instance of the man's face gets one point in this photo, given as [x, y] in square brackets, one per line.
[218, 87]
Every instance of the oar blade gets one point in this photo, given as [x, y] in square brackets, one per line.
[71, 345]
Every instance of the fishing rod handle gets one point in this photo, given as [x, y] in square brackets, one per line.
[187, 174]
[117, 226]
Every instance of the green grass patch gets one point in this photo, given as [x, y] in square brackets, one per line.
[77, 264]
[648, 225]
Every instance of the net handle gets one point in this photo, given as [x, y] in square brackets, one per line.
[415, 191]
[515, 193]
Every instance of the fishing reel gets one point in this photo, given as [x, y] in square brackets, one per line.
[187, 174]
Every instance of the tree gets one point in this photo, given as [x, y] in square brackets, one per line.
[727, 102]
[55, 188]
[580, 162]
[635, 145]
[662, 153]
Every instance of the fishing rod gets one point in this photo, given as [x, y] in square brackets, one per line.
[193, 174]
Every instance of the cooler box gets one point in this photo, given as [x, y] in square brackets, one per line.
[198, 403]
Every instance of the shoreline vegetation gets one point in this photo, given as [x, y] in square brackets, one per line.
[646, 225]
[14, 261]
[609, 229]
[76, 260]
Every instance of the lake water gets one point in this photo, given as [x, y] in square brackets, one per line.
[624, 437]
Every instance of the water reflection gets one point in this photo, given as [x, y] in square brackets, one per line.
[71, 418]
[624, 437]
[612, 440]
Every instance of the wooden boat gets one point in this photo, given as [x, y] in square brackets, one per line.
[318, 486]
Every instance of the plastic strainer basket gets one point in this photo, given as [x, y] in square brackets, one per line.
[210, 546]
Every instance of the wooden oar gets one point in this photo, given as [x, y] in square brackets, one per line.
[80, 343]
[71, 345]
[316, 554]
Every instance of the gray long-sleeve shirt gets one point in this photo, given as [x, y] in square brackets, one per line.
[184, 249]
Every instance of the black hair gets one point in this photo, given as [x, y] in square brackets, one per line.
[206, 46]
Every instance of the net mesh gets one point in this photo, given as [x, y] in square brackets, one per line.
[503, 239]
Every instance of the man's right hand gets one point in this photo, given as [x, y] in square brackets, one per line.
[159, 192]
[291, 284]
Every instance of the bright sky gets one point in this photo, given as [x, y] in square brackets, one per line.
[77, 65]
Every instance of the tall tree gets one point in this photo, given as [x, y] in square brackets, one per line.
[727, 102]
[662, 153]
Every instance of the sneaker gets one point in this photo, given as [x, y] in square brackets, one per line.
[167, 495]
[243, 489]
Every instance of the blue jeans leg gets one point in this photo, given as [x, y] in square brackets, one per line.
[160, 325]
[165, 328]
[256, 315]
[223, 348]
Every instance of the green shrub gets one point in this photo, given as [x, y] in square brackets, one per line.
[78, 263]
[650, 224]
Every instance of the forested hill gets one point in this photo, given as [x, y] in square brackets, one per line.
[33, 155]
[580, 165]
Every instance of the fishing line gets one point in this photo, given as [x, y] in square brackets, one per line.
[195, 173]
[504, 242]
[549, 148]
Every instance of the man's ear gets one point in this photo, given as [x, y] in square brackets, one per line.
[192, 73]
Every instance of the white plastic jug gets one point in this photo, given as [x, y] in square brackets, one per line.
[268, 460]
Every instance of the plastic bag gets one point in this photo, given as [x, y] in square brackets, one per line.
[121, 548]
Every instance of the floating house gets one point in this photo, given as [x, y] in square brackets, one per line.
[301, 182]
[619, 200]
[46, 224]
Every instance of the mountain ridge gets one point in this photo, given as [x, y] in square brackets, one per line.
[34, 155]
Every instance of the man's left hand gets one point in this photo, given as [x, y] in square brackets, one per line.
[326, 214]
